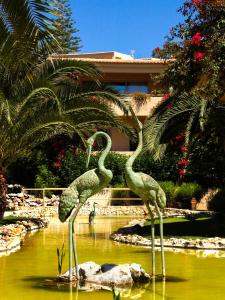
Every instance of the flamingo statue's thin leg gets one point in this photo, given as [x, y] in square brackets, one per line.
[153, 237]
[161, 238]
[70, 250]
[72, 244]
[75, 249]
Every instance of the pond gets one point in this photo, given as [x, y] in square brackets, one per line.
[27, 274]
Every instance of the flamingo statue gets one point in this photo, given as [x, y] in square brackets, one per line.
[148, 190]
[82, 188]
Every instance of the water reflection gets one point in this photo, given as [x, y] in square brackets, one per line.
[92, 231]
[156, 287]
[31, 272]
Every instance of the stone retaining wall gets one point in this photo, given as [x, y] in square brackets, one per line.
[12, 235]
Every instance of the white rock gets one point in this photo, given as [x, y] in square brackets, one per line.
[110, 274]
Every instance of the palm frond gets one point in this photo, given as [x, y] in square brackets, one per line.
[163, 125]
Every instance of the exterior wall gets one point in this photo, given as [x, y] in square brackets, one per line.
[119, 67]
[120, 142]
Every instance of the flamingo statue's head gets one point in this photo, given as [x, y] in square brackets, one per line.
[161, 199]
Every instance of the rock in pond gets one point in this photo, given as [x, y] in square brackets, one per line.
[124, 275]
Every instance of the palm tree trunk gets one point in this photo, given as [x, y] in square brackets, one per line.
[3, 192]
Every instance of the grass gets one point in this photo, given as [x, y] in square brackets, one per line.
[181, 227]
[201, 227]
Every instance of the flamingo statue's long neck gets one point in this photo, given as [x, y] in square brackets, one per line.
[101, 161]
[131, 159]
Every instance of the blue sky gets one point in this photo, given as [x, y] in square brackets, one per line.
[124, 25]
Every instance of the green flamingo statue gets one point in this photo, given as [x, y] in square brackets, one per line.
[83, 187]
[148, 190]
[92, 214]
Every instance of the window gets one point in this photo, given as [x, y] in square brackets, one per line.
[130, 87]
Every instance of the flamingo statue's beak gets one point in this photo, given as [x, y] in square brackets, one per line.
[88, 155]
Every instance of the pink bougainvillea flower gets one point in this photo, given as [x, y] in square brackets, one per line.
[196, 2]
[183, 148]
[198, 57]
[196, 39]
[170, 105]
[62, 153]
[178, 137]
[183, 162]
[165, 97]
[182, 172]
[58, 164]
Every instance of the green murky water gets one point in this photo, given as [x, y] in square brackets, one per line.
[27, 274]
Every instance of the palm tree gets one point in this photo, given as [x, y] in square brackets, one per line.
[187, 112]
[41, 95]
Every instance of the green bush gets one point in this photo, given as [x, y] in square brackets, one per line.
[218, 201]
[185, 192]
[169, 189]
[45, 178]
[116, 163]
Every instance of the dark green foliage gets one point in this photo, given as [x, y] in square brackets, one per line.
[65, 30]
[72, 165]
[60, 256]
[180, 195]
[218, 202]
[169, 189]
[116, 163]
[207, 158]
[159, 170]
[185, 192]
[75, 165]
[45, 178]
[196, 92]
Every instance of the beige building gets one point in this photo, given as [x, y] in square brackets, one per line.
[130, 77]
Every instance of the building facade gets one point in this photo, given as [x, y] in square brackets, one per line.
[131, 78]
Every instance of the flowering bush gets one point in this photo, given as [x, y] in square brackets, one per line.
[198, 57]
[196, 77]
[196, 39]
[198, 46]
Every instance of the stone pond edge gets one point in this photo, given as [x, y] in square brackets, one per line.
[12, 235]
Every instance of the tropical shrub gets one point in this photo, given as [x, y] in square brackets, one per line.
[195, 82]
[67, 163]
[185, 192]
[169, 189]
[40, 93]
[45, 178]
